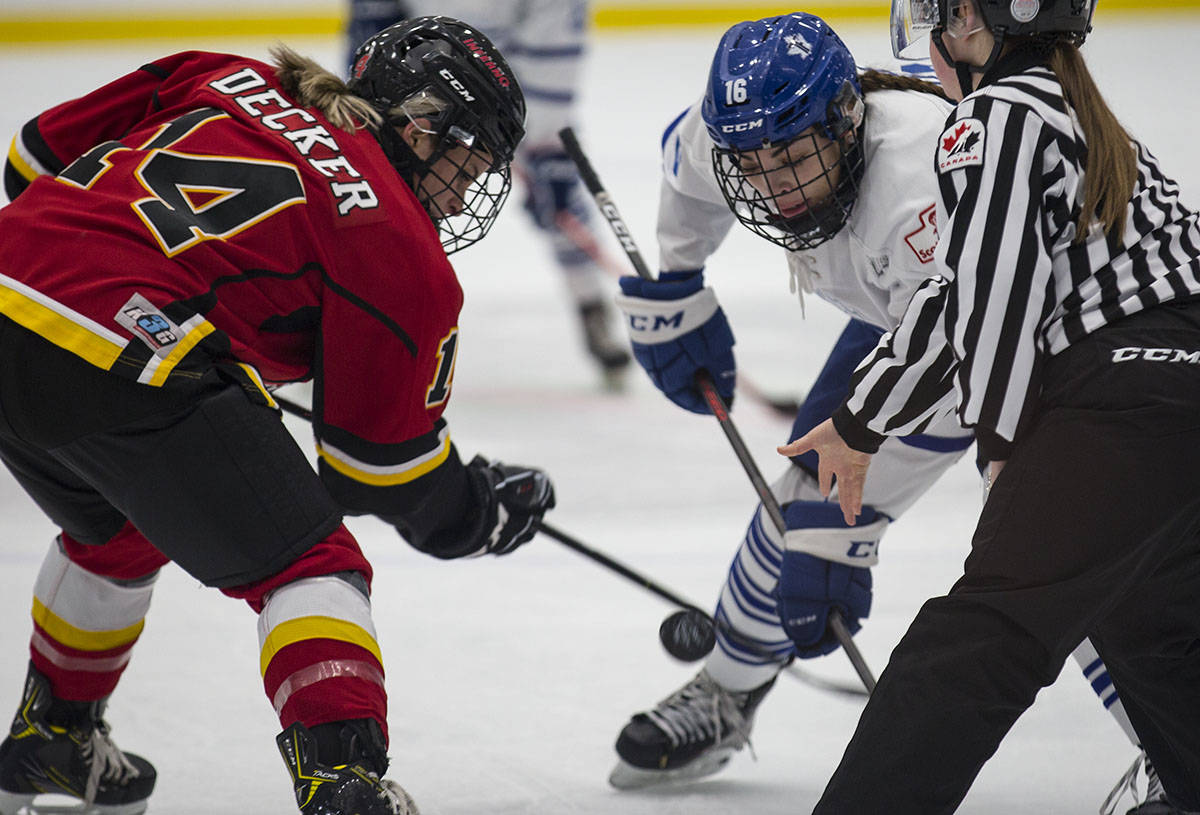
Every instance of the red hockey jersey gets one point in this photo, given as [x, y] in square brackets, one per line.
[191, 214]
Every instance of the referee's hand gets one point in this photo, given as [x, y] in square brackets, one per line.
[838, 460]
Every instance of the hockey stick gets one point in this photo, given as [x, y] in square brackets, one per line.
[580, 235]
[707, 388]
[647, 583]
[785, 407]
[294, 408]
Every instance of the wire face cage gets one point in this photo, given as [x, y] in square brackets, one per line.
[464, 218]
[797, 194]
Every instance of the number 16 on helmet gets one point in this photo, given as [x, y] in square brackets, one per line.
[784, 109]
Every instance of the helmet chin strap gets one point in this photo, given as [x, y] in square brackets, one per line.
[408, 165]
[966, 71]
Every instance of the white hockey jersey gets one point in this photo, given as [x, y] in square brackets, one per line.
[871, 268]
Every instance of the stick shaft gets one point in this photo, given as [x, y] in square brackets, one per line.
[614, 565]
[715, 403]
[604, 201]
[294, 408]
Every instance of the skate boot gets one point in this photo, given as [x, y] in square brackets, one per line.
[338, 769]
[609, 352]
[59, 747]
[1156, 802]
[690, 734]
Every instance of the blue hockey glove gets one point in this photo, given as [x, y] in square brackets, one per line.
[826, 565]
[517, 497]
[677, 329]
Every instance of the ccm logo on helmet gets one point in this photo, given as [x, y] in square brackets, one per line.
[742, 127]
[458, 86]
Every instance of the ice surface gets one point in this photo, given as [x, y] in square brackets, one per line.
[509, 679]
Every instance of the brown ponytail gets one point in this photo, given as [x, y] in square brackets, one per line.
[313, 86]
[872, 80]
[1111, 171]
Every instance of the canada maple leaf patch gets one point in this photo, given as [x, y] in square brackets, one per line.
[961, 145]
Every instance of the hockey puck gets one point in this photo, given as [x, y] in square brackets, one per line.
[688, 635]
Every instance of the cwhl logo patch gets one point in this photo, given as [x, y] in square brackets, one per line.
[961, 146]
[143, 320]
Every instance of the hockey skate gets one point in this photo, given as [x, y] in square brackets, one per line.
[608, 352]
[352, 783]
[1155, 803]
[62, 748]
[690, 734]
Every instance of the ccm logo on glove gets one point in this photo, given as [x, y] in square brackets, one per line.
[677, 330]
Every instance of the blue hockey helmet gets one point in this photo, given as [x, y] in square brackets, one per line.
[774, 78]
[775, 81]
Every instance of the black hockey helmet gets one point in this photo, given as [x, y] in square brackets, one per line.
[444, 71]
[1019, 18]
[913, 20]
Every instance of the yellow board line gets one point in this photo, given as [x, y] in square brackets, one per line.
[115, 25]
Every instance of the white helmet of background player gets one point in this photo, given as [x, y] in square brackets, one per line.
[914, 20]
[449, 81]
[784, 109]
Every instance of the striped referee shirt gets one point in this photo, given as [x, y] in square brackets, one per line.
[1014, 287]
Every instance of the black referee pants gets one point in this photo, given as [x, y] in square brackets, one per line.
[1092, 530]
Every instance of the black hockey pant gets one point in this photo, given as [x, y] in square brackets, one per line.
[1091, 530]
[214, 481]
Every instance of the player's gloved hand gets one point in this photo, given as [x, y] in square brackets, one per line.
[517, 498]
[552, 186]
[821, 571]
[677, 329]
[808, 588]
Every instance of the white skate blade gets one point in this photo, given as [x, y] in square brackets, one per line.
[13, 803]
[625, 776]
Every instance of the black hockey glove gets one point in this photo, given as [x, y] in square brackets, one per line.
[517, 498]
